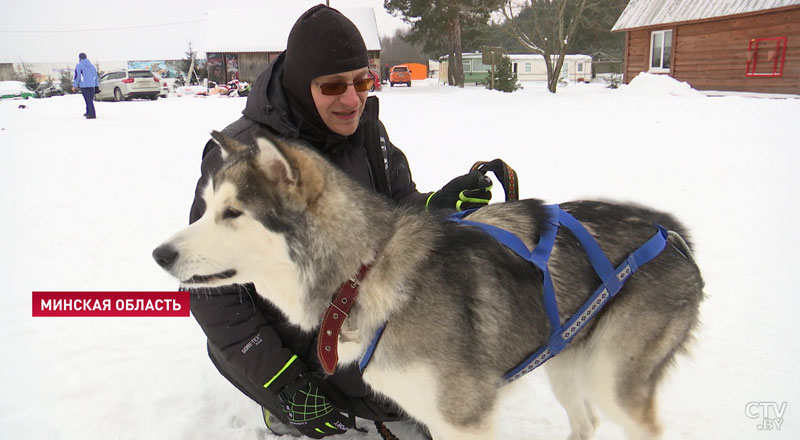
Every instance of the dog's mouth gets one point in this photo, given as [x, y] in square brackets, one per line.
[202, 279]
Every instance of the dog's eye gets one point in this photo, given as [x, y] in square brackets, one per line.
[231, 213]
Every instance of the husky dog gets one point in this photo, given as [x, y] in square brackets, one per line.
[459, 308]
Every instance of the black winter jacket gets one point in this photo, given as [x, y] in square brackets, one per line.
[249, 340]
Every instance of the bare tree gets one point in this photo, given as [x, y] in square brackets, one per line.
[547, 27]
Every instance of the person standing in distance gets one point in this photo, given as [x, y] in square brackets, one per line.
[87, 81]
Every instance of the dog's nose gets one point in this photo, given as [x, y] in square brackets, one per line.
[165, 255]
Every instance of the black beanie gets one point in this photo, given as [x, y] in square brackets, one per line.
[322, 42]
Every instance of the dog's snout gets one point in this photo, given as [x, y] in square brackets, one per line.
[165, 255]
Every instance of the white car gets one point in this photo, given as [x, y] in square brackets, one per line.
[123, 85]
[15, 90]
[168, 85]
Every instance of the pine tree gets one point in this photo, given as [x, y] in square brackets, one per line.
[25, 74]
[505, 79]
[66, 80]
[185, 64]
[30, 80]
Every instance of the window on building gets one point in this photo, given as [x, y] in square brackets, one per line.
[478, 66]
[527, 67]
[514, 67]
[660, 50]
[467, 65]
[580, 67]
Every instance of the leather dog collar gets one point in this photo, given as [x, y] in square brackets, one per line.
[337, 312]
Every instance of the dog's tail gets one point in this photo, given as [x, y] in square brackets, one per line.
[682, 245]
[677, 233]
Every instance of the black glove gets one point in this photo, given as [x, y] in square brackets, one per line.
[96, 90]
[309, 410]
[469, 191]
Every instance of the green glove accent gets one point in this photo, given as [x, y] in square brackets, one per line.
[287, 365]
[428, 202]
[309, 410]
[469, 191]
[469, 199]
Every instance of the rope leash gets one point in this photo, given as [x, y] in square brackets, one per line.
[384, 431]
[504, 173]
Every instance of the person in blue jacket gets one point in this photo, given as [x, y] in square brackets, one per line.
[86, 80]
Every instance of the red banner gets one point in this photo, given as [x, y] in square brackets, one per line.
[129, 304]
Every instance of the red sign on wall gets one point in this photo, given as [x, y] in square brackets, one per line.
[765, 56]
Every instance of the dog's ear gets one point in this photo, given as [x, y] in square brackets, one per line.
[292, 167]
[228, 145]
[273, 160]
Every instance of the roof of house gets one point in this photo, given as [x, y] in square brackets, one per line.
[266, 30]
[533, 56]
[526, 56]
[644, 13]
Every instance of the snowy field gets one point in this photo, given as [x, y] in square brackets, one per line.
[85, 202]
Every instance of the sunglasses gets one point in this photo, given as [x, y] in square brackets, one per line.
[337, 88]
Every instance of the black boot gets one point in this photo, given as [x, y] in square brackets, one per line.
[276, 426]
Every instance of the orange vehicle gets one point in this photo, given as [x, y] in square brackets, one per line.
[400, 75]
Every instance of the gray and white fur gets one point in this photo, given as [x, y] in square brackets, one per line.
[460, 309]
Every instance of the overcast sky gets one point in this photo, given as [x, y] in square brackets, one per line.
[56, 31]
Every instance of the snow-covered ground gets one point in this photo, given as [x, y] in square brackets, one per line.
[85, 202]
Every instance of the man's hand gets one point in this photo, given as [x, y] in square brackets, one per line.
[469, 191]
[309, 410]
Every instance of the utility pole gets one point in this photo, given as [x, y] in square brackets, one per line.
[489, 57]
[191, 72]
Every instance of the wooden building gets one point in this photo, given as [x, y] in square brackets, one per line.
[240, 43]
[726, 45]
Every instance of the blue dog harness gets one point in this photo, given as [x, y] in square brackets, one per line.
[612, 280]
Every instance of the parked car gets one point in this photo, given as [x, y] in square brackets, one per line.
[169, 85]
[123, 85]
[400, 75]
[45, 91]
[15, 90]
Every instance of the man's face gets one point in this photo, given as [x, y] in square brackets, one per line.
[340, 112]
